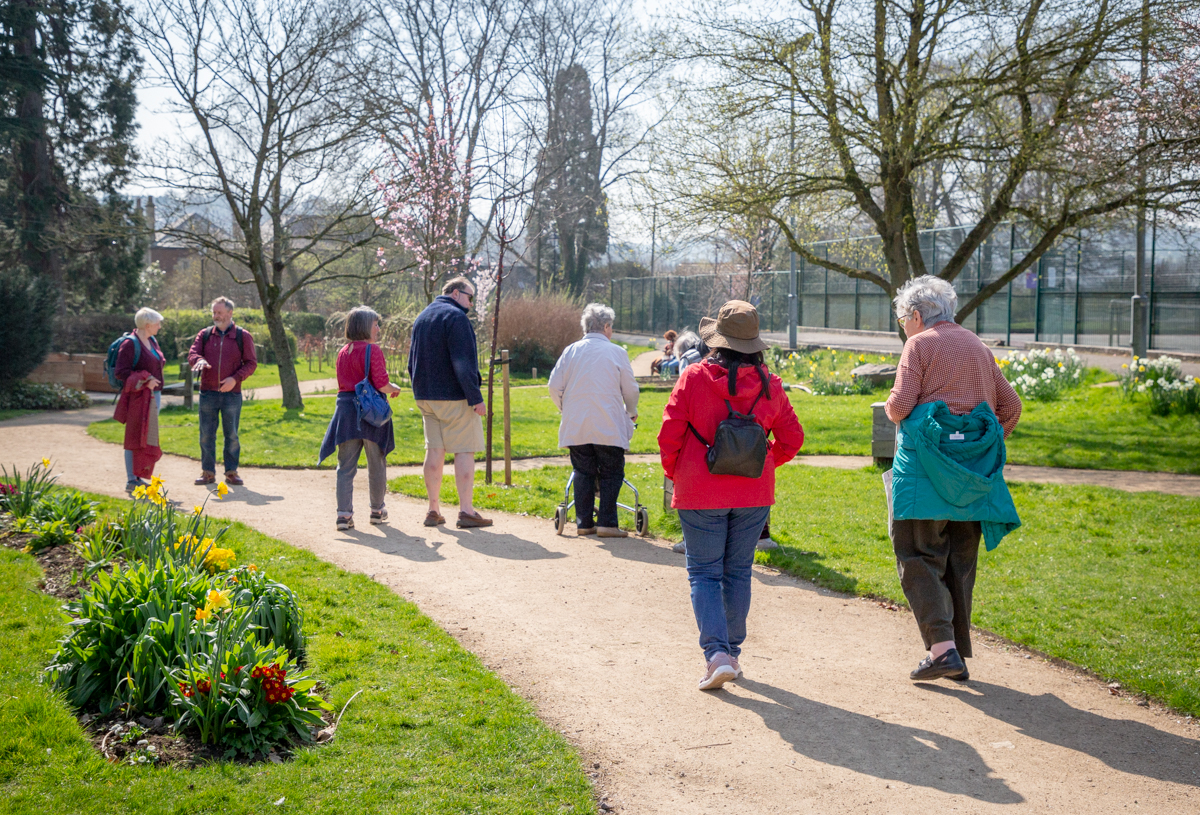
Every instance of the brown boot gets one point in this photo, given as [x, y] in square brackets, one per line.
[206, 478]
[233, 479]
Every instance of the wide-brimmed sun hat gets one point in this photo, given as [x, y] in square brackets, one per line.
[736, 328]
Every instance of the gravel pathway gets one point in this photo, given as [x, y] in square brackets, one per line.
[599, 636]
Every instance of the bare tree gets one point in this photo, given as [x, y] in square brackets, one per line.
[895, 103]
[276, 135]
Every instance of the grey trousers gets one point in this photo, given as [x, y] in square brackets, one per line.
[348, 452]
[936, 561]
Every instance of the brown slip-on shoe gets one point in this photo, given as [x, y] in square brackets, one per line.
[585, 530]
[234, 479]
[206, 478]
[433, 519]
[472, 521]
[611, 532]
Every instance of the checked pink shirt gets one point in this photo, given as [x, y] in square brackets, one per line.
[948, 363]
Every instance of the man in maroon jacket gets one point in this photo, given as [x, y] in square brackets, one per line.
[223, 355]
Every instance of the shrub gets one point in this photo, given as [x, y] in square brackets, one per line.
[45, 533]
[36, 396]
[535, 330]
[27, 323]
[90, 333]
[1042, 375]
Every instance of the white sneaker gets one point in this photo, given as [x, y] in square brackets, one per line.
[720, 670]
[737, 667]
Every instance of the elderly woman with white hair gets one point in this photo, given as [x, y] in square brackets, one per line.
[954, 410]
[139, 369]
[593, 385]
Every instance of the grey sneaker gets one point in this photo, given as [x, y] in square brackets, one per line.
[720, 670]
[379, 516]
[679, 548]
[344, 523]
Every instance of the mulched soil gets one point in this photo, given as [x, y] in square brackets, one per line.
[110, 734]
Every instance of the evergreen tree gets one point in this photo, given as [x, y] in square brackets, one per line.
[67, 104]
[569, 204]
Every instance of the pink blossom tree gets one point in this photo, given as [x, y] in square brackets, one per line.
[424, 191]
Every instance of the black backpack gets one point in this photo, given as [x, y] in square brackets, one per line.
[212, 329]
[739, 446]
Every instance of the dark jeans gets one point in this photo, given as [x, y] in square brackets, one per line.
[226, 409]
[936, 561]
[594, 462]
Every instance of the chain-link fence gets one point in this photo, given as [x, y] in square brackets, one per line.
[1076, 293]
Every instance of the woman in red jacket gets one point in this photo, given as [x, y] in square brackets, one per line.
[722, 515]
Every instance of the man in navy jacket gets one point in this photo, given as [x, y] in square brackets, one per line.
[443, 363]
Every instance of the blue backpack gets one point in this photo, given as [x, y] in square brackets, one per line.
[373, 408]
[110, 361]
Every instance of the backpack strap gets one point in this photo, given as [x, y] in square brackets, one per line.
[696, 433]
[137, 347]
[367, 366]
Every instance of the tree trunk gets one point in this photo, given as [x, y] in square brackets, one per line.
[288, 380]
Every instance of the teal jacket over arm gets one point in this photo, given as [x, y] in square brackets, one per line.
[951, 468]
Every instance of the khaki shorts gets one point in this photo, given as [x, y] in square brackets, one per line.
[451, 426]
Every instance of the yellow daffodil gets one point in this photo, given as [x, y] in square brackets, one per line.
[862, 357]
[883, 359]
[139, 492]
[196, 510]
[156, 482]
[203, 614]
[216, 599]
[1124, 364]
[252, 568]
[222, 490]
[46, 463]
[1141, 367]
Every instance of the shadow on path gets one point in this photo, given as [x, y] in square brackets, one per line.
[243, 495]
[390, 541]
[864, 744]
[495, 544]
[1125, 745]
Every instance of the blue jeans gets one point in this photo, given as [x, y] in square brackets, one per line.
[225, 408]
[129, 476]
[720, 552]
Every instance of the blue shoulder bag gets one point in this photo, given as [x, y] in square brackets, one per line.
[373, 408]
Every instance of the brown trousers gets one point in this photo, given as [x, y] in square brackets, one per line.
[936, 561]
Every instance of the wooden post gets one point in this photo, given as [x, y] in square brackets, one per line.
[187, 386]
[507, 421]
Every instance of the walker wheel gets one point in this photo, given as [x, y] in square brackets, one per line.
[642, 524]
[560, 519]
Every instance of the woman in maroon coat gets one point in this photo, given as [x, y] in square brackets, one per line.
[722, 515]
[138, 380]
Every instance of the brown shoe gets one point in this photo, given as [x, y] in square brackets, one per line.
[206, 478]
[233, 479]
[433, 519]
[472, 521]
[585, 530]
[611, 532]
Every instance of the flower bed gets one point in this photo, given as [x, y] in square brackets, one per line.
[826, 372]
[165, 626]
[1042, 375]
[1163, 382]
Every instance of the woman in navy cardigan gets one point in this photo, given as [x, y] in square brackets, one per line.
[346, 432]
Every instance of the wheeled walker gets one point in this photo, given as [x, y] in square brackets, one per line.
[641, 517]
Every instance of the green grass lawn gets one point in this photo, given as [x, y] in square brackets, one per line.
[1094, 428]
[635, 351]
[265, 376]
[1102, 578]
[433, 731]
